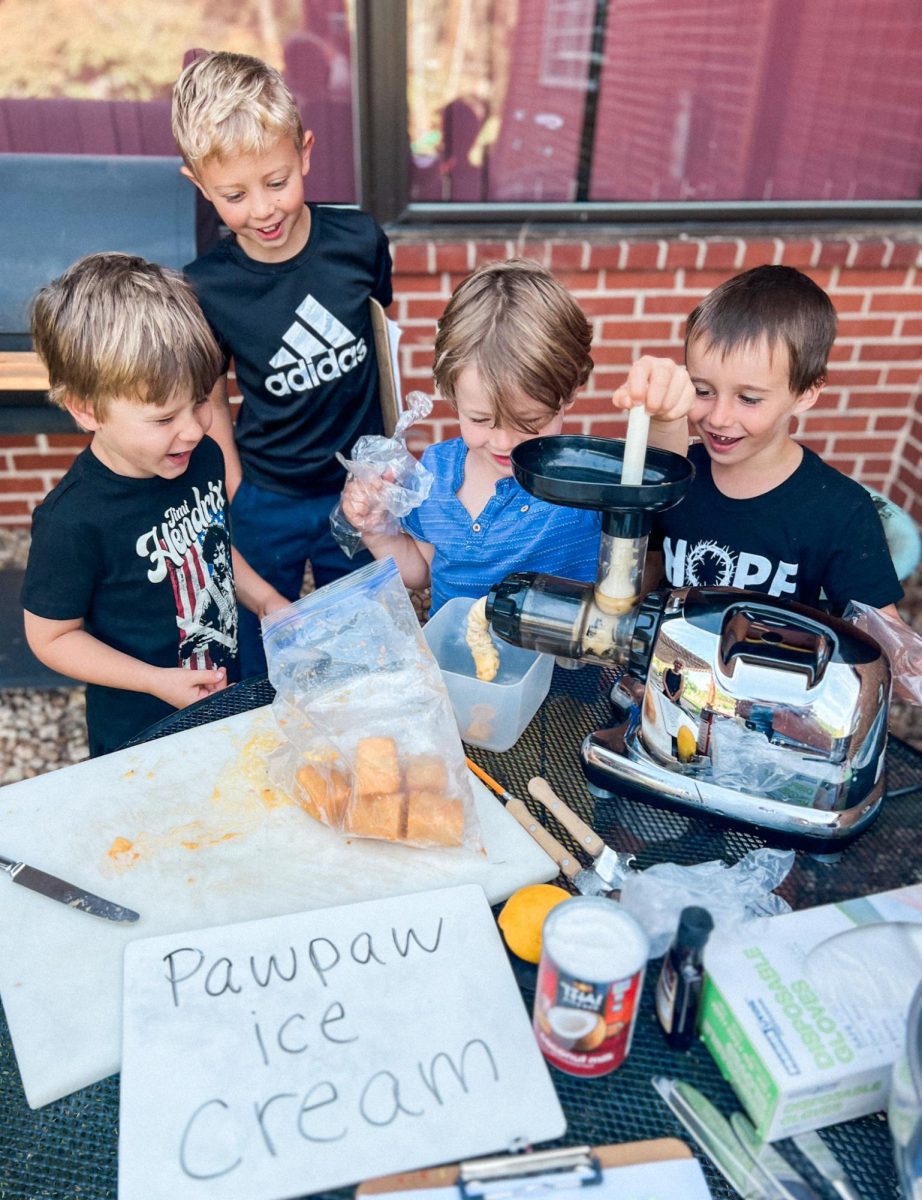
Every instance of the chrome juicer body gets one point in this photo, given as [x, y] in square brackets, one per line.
[759, 710]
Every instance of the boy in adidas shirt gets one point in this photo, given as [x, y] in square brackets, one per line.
[286, 295]
[512, 349]
[131, 584]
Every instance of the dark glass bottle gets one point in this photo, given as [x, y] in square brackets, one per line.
[678, 989]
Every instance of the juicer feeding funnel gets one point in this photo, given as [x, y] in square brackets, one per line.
[759, 710]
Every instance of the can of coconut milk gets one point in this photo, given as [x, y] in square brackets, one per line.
[593, 958]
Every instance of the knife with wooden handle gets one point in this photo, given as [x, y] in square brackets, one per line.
[608, 866]
[569, 866]
[64, 892]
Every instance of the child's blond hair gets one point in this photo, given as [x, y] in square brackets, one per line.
[115, 326]
[523, 333]
[226, 105]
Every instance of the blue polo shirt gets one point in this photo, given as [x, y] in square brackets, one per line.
[515, 532]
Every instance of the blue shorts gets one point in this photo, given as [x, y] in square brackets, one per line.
[278, 535]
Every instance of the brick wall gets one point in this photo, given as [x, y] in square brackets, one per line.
[868, 421]
[637, 294]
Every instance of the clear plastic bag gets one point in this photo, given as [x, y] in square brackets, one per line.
[902, 646]
[386, 475]
[372, 748]
[744, 760]
[656, 896]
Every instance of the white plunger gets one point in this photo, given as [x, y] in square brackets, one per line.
[617, 591]
[635, 447]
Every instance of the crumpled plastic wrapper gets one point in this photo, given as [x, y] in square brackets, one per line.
[392, 477]
[655, 897]
[902, 646]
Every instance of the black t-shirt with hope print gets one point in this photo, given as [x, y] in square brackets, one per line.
[145, 564]
[301, 338]
[819, 530]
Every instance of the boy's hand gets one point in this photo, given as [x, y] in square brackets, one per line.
[272, 602]
[180, 687]
[363, 502]
[660, 385]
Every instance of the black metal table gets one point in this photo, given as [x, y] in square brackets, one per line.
[68, 1150]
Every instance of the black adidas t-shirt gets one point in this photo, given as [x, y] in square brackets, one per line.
[145, 563]
[817, 530]
[301, 338]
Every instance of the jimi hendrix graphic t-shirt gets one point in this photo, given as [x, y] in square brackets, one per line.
[146, 565]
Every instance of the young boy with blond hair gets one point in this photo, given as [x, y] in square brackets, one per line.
[287, 296]
[511, 351]
[764, 512]
[130, 584]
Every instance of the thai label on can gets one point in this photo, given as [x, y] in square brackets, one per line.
[593, 958]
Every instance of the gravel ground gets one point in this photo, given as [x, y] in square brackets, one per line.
[43, 729]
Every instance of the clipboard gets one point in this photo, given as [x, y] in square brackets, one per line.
[512, 1175]
[388, 380]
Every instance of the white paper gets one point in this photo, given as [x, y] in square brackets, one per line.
[282, 1057]
[393, 340]
[668, 1180]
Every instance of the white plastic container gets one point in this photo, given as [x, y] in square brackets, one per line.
[492, 715]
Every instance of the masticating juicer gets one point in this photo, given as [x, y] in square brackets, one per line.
[758, 710]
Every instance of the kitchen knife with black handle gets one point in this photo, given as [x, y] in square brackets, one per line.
[64, 892]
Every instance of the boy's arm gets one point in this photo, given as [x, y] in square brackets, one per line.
[66, 647]
[253, 591]
[667, 393]
[222, 430]
[413, 558]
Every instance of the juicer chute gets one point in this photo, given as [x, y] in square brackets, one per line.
[592, 622]
[781, 717]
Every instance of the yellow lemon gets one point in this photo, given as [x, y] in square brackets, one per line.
[523, 915]
[686, 744]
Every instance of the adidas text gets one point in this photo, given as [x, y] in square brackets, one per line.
[305, 375]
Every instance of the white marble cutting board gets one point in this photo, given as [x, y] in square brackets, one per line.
[214, 845]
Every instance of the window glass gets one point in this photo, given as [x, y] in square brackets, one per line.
[94, 76]
[662, 100]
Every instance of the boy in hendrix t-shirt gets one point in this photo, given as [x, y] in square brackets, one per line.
[131, 582]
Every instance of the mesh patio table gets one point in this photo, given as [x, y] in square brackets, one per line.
[68, 1149]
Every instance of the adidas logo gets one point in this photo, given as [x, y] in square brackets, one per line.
[317, 349]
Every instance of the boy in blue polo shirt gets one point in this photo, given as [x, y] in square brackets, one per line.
[512, 349]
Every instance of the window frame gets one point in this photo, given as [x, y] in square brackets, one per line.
[382, 140]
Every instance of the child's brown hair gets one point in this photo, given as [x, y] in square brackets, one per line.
[523, 333]
[115, 326]
[779, 305]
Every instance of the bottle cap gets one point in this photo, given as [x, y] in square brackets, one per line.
[695, 925]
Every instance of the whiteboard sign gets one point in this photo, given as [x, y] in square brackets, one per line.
[290, 1055]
